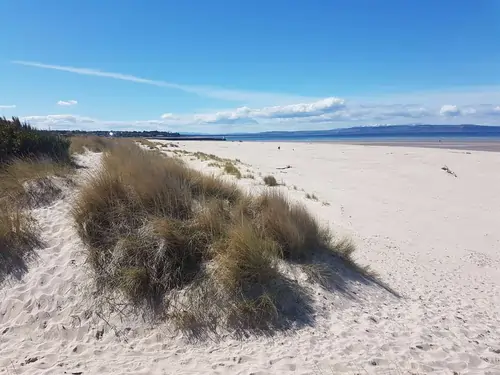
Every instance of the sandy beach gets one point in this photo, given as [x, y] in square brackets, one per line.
[431, 236]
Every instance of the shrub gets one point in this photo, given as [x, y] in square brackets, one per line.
[270, 181]
[19, 140]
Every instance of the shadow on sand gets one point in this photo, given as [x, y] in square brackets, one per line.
[16, 253]
[293, 305]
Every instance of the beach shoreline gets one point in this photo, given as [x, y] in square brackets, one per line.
[465, 145]
[471, 144]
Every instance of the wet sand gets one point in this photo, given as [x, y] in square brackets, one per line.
[467, 145]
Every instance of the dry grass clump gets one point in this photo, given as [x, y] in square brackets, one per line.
[312, 197]
[147, 143]
[215, 164]
[270, 181]
[231, 169]
[195, 247]
[30, 182]
[290, 225]
[32, 164]
[144, 202]
[167, 145]
[205, 157]
[24, 184]
[19, 236]
[81, 143]
[246, 271]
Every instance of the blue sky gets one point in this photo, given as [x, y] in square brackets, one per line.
[231, 66]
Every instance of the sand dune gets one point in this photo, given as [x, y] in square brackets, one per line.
[430, 236]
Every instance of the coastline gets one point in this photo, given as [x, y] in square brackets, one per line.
[469, 144]
[465, 145]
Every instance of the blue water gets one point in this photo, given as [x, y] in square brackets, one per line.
[421, 137]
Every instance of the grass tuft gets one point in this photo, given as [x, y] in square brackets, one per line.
[312, 197]
[30, 182]
[231, 169]
[291, 225]
[270, 181]
[82, 143]
[19, 237]
[147, 143]
[33, 164]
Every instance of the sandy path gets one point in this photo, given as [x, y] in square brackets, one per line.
[432, 237]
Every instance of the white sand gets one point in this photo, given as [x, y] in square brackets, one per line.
[432, 237]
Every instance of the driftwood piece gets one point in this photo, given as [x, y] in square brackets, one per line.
[287, 167]
[448, 170]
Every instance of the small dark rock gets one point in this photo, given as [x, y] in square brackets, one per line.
[99, 334]
[31, 360]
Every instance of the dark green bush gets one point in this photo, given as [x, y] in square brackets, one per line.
[19, 140]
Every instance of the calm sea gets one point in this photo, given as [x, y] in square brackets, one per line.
[362, 138]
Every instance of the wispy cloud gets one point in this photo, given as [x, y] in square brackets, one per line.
[67, 103]
[7, 106]
[250, 97]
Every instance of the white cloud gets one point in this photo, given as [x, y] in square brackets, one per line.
[318, 108]
[259, 98]
[407, 111]
[327, 113]
[61, 121]
[67, 103]
[468, 111]
[168, 116]
[449, 110]
[489, 110]
[11, 106]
